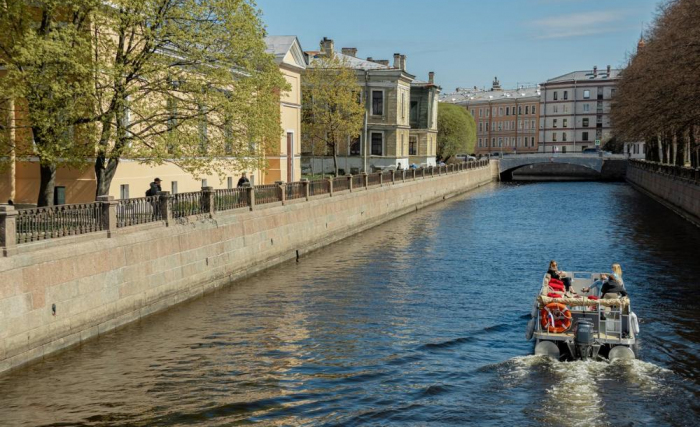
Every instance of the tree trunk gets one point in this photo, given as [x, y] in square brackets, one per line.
[104, 173]
[46, 188]
[335, 158]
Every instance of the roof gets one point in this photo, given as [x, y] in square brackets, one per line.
[353, 62]
[286, 49]
[491, 95]
[586, 75]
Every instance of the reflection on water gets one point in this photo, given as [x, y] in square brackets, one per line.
[419, 321]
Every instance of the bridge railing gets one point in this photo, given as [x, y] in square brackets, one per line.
[19, 227]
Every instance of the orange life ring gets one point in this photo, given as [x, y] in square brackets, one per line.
[555, 318]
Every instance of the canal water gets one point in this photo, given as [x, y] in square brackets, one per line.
[417, 322]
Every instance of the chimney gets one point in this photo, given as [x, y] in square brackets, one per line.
[397, 61]
[431, 77]
[349, 51]
[608, 70]
[327, 46]
[595, 71]
[403, 62]
[382, 62]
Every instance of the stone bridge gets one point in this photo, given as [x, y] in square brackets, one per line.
[551, 166]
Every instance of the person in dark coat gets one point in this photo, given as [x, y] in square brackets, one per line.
[155, 188]
[555, 273]
[243, 180]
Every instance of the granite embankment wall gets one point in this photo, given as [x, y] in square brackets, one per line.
[97, 283]
[676, 188]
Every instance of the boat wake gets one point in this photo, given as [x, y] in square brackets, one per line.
[575, 393]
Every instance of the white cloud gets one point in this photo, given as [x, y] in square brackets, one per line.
[579, 24]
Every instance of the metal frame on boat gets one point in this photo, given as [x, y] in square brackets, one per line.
[582, 325]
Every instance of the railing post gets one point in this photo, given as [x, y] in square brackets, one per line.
[393, 176]
[250, 195]
[330, 186]
[422, 173]
[8, 230]
[166, 209]
[365, 180]
[381, 178]
[282, 195]
[305, 188]
[432, 171]
[208, 201]
[349, 182]
[109, 213]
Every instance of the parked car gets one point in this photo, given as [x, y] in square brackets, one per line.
[590, 150]
[465, 157]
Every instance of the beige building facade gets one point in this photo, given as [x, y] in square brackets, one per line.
[401, 114]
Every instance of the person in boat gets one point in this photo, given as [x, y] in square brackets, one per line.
[614, 283]
[555, 273]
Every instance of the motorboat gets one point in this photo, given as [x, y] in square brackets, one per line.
[578, 325]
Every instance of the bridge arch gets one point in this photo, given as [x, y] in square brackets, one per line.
[550, 171]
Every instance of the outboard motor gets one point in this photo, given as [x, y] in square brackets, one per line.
[583, 338]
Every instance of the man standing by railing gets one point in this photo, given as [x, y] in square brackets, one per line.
[154, 191]
[243, 180]
[155, 188]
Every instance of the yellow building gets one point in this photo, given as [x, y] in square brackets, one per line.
[21, 182]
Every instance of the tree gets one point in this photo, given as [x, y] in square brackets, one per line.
[331, 110]
[456, 131]
[185, 81]
[45, 46]
[656, 100]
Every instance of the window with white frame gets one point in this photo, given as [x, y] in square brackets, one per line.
[377, 103]
[586, 108]
[586, 94]
[377, 139]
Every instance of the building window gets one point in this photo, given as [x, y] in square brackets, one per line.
[555, 108]
[533, 141]
[229, 182]
[512, 124]
[500, 142]
[473, 115]
[520, 109]
[481, 126]
[488, 112]
[556, 96]
[554, 137]
[173, 187]
[532, 124]
[533, 109]
[520, 124]
[493, 126]
[519, 141]
[512, 142]
[526, 124]
[124, 191]
[493, 142]
[565, 123]
[584, 136]
[527, 109]
[500, 126]
[507, 111]
[563, 136]
[355, 146]
[481, 112]
[586, 94]
[566, 108]
[204, 183]
[585, 122]
[566, 94]
[495, 112]
[554, 123]
[377, 103]
[377, 141]
[586, 108]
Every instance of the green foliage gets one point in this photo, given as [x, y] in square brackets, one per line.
[456, 131]
[186, 81]
[45, 46]
[331, 111]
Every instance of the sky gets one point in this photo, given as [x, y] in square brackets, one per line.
[468, 42]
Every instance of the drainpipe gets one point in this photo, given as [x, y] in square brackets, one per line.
[364, 135]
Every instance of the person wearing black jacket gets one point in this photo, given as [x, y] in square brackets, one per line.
[243, 180]
[613, 286]
[555, 273]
